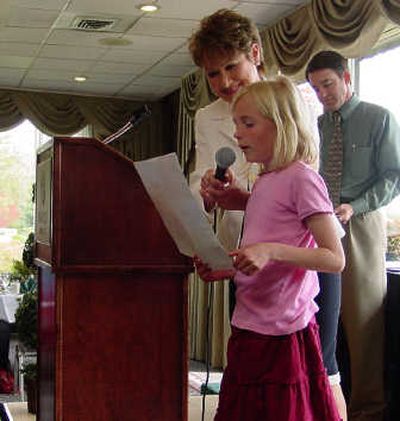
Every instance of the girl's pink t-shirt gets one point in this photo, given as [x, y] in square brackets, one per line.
[279, 299]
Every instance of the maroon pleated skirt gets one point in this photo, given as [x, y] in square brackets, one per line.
[275, 378]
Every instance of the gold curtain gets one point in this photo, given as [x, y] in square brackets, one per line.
[289, 44]
[349, 26]
[58, 114]
[391, 8]
[63, 115]
[154, 137]
[10, 115]
[194, 94]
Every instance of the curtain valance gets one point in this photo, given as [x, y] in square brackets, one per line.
[58, 114]
[349, 26]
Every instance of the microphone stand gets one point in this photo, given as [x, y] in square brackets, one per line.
[138, 117]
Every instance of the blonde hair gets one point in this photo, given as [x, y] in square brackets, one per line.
[280, 101]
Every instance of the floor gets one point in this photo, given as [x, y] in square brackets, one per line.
[19, 412]
[197, 377]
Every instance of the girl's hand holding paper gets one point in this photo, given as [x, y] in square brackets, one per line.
[208, 275]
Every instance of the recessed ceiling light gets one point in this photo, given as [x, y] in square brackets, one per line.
[80, 78]
[149, 7]
[115, 42]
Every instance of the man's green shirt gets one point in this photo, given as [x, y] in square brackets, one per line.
[371, 154]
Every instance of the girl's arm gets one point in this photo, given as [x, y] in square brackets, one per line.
[327, 257]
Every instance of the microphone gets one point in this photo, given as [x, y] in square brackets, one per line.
[224, 158]
[138, 116]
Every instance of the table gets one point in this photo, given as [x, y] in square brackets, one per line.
[392, 348]
[8, 305]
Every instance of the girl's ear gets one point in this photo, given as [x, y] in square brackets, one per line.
[255, 54]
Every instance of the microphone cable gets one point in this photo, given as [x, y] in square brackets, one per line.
[210, 294]
[210, 297]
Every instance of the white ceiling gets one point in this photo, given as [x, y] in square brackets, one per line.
[141, 56]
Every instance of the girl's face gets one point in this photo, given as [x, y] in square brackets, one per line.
[255, 133]
[227, 73]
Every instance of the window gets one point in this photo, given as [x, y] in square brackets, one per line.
[17, 176]
[378, 83]
[313, 104]
[17, 173]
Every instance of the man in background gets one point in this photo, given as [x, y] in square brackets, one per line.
[368, 178]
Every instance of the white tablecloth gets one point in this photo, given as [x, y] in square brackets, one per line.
[8, 305]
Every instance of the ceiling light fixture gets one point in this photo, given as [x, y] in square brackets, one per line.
[115, 42]
[80, 78]
[148, 6]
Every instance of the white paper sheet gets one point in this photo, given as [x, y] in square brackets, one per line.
[185, 220]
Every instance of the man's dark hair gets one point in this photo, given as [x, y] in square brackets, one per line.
[327, 60]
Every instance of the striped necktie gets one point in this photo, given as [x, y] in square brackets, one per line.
[334, 164]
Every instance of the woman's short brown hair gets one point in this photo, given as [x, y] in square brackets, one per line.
[225, 32]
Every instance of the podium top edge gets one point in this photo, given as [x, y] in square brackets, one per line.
[82, 140]
[45, 146]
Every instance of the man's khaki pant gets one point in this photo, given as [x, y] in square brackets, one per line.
[363, 294]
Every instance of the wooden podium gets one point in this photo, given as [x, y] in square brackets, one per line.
[112, 292]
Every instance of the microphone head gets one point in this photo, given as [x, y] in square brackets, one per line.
[139, 115]
[225, 157]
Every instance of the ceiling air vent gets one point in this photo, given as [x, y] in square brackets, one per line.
[93, 24]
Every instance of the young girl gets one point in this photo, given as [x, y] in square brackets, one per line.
[275, 370]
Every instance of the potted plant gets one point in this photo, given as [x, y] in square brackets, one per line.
[26, 313]
[393, 249]
[29, 371]
[24, 271]
[26, 321]
[26, 328]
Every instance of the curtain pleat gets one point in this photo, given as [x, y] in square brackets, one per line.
[391, 9]
[350, 26]
[196, 92]
[108, 115]
[289, 44]
[50, 113]
[10, 115]
[154, 137]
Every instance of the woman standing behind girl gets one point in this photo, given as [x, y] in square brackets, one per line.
[275, 369]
